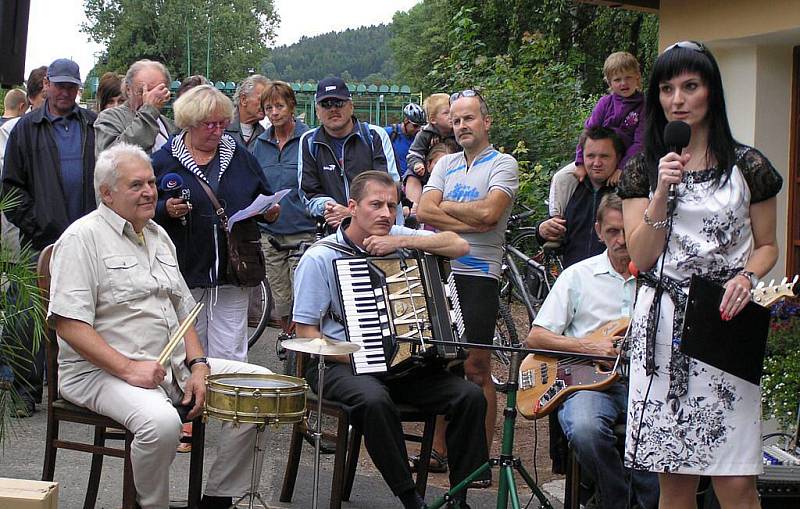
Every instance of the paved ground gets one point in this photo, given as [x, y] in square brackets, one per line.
[23, 451]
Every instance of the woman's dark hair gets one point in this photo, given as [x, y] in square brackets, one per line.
[191, 82]
[110, 86]
[683, 57]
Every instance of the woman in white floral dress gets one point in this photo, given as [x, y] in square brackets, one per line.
[686, 418]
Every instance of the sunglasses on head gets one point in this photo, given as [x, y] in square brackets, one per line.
[694, 46]
[465, 93]
[332, 103]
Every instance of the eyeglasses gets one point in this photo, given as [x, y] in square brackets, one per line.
[694, 46]
[332, 103]
[213, 126]
[465, 93]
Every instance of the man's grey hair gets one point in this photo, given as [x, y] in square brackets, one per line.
[247, 85]
[138, 66]
[106, 167]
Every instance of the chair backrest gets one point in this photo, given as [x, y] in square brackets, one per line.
[51, 344]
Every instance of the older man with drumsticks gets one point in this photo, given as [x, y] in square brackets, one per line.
[117, 297]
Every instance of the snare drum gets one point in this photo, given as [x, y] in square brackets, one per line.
[256, 398]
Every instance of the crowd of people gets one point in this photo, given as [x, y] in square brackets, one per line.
[137, 205]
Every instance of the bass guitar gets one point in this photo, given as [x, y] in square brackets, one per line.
[545, 381]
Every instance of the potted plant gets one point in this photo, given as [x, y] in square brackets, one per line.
[19, 300]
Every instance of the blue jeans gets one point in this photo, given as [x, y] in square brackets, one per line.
[588, 419]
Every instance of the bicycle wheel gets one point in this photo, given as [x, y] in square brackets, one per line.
[258, 312]
[505, 334]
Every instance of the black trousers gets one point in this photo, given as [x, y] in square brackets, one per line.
[431, 389]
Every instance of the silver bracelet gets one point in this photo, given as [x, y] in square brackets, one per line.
[656, 225]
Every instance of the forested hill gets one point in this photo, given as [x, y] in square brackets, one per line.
[354, 54]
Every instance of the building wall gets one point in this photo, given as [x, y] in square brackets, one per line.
[709, 20]
[753, 44]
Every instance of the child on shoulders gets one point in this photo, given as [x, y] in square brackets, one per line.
[621, 111]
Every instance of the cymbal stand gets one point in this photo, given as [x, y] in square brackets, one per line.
[318, 429]
[507, 462]
[253, 494]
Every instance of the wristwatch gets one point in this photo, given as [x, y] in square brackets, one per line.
[751, 276]
[197, 360]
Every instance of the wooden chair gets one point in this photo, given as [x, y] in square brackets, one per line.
[348, 445]
[59, 410]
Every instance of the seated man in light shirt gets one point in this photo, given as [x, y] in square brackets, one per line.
[586, 296]
[116, 298]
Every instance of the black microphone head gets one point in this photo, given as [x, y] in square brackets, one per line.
[171, 182]
[677, 135]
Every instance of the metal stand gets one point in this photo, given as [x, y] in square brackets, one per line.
[507, 461]
[253, 494]
[318, 430]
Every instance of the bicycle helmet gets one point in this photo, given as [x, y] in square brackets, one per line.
[414, 113]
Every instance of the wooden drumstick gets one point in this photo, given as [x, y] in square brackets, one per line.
[163, 359]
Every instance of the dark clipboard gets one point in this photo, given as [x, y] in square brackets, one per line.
[736, 346]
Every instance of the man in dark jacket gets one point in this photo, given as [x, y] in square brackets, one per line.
[602, 150]
[335, 153]
[49, 165]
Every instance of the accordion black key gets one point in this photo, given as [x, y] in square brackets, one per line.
[393, 306]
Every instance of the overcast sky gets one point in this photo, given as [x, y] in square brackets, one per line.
[53, 27]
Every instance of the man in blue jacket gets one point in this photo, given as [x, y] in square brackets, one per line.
[332, 155]
[49, 165]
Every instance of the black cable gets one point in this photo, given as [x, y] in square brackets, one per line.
[656, 302]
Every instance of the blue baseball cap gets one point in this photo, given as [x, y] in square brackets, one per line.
[332, 87]
[64, 70]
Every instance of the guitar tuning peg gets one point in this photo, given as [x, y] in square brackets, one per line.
[771, 282]
[760, 285]
[795, 278]
[783, 281]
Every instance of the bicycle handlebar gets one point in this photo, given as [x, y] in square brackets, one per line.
[513, 218]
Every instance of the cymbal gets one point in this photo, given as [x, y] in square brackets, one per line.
[320, 346]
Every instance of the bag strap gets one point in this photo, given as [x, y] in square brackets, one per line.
[218, 209]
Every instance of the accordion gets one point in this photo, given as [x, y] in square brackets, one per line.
[393, 305]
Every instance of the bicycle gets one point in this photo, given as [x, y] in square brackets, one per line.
[262, 303]
[259, 310]
[525, 240]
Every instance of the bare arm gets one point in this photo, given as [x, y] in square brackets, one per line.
[542, 338]
[447, 244]
[486, 211]
[645, 243]
[91, 346]
[765, 253]
[195, 387]
[430, 212]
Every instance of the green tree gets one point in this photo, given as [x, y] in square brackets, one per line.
[538, 63]
[360, 51]
[178, 32]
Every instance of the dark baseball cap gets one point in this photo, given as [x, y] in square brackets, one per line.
[64, 70]
[332, 87]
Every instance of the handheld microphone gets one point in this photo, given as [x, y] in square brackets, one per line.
[172, 186]
[676, 136]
